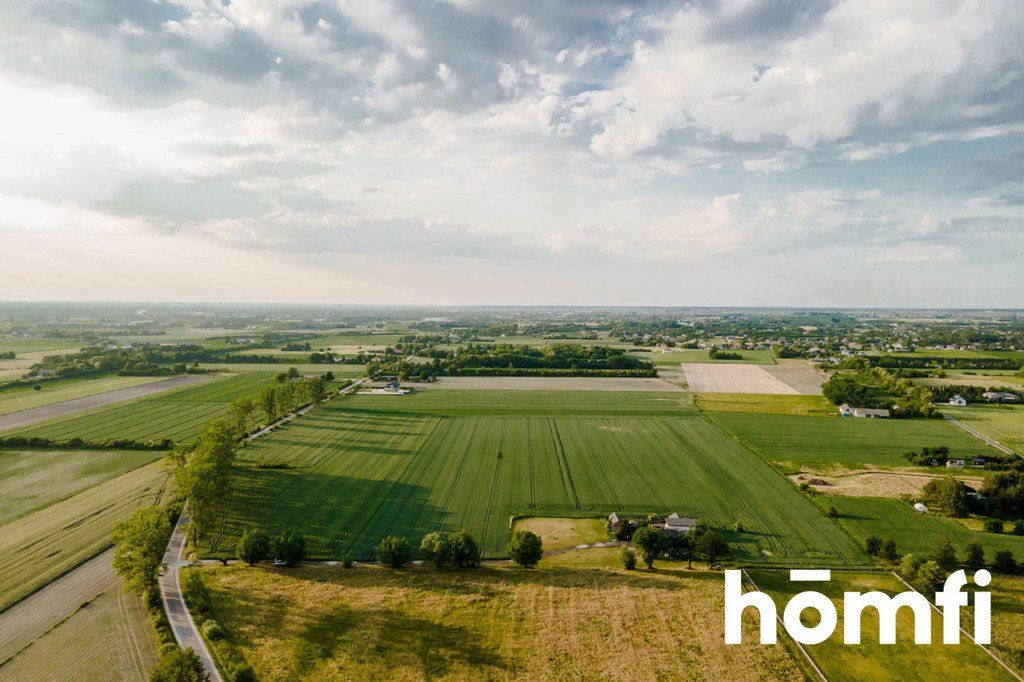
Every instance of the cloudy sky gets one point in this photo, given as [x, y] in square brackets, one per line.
[713, 152]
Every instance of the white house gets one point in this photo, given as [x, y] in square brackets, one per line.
[958, 400]
[845, 410]
[954, 464]
[869, 413]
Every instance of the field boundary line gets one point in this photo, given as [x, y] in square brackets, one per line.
[977, 434]
[984, 648]
[799, 646]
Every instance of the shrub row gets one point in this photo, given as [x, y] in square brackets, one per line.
[76, 443]
[229, 659]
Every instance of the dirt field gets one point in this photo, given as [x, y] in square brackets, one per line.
[557, 533]
[30, 618]
[16, 420]
[799, 374]
[875, 483]
[553, 384]
[722, 378]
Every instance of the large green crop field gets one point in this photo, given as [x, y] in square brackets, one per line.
[821, 443]
[1004, 423]
[61, 390]
[178, 414]
[30, 480]
[913, 532]
[367, 466]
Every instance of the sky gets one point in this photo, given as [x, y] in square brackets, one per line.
[715, 152]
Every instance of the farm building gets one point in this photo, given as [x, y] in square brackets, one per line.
[954, 464]
[862, 412]
[1000, 397]
[958, 400]
[679, 525]
[614, 521]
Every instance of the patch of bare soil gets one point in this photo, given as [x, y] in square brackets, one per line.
[867, 483]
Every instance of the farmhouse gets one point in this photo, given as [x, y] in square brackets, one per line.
[861, 412]
[679, 525]
[614, 522]
[958, 400]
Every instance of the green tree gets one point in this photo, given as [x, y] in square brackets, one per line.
[318, 389]
[711, 546]
[873, 545]
[843, 388]
[525, 548]
[205, 476]
[140, 543]
[929, 578]
[393, 551]
[947, 495]
[240, 413]
[463, 550]
[888, 551]
[290, 547]
[293, 373]
[993, 525]
[267, 400]
[650, 542]
[628, 558]
[944, 555]
[974, 556]
[909, 566]
[179, 665]
[281, 377]
[434, 547]
[1003, 562]
[253, 547]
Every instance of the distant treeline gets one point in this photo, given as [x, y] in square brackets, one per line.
[912, 361]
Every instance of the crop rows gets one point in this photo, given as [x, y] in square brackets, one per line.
[345, 478]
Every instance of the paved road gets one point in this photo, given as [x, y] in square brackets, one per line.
[33, 616]
[182, 625]
[16, 420]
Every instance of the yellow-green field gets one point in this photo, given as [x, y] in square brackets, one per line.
[50, 392]
[42, 545]
[1004, 423]
[800, 405]
[490, 623]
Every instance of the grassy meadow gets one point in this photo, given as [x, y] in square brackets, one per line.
[489, 623]
[822, 444]
[678, 356]
[61, 390]
[1004, 423]
[178, 414]
[903, 660]
[363, 467]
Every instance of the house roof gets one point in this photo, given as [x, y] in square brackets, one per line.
[677, 521]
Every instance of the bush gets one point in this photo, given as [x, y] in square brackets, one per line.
[179, 665]
[873, 546]
[993, 526]
[525, 548]
[463, 550]
[196, 595]
[1018, 528]
[393, 551]
[434, 547]
[974, 558]
[888, 551]
[832, 512]
[212, 631]
[253, 547]
[738, 527]
[290, 547]
[628, 558]
[651, 542]
[1003, 562]
[346, 561]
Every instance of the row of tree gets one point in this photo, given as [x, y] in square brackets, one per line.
[928, 574]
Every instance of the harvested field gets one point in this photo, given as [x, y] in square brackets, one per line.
[24, 418]
[555, 384]
[798, 374]
[556, 533]
[61, 390]
[98, 633]
[723, 378]
[875, 483]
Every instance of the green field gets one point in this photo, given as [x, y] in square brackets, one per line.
[177, 414]
[1004, 423]
[367, 466]
[756, 403]
[42, 545]
[61, 390]
[870, 660]
[820, 443]
[30, 480]
[913, 532]
[674, 358]
[337, 369]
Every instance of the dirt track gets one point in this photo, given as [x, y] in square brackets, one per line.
[17, 420]
[27, 620]
[553, 384]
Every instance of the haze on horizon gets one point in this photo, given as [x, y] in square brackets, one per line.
[742, 153]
